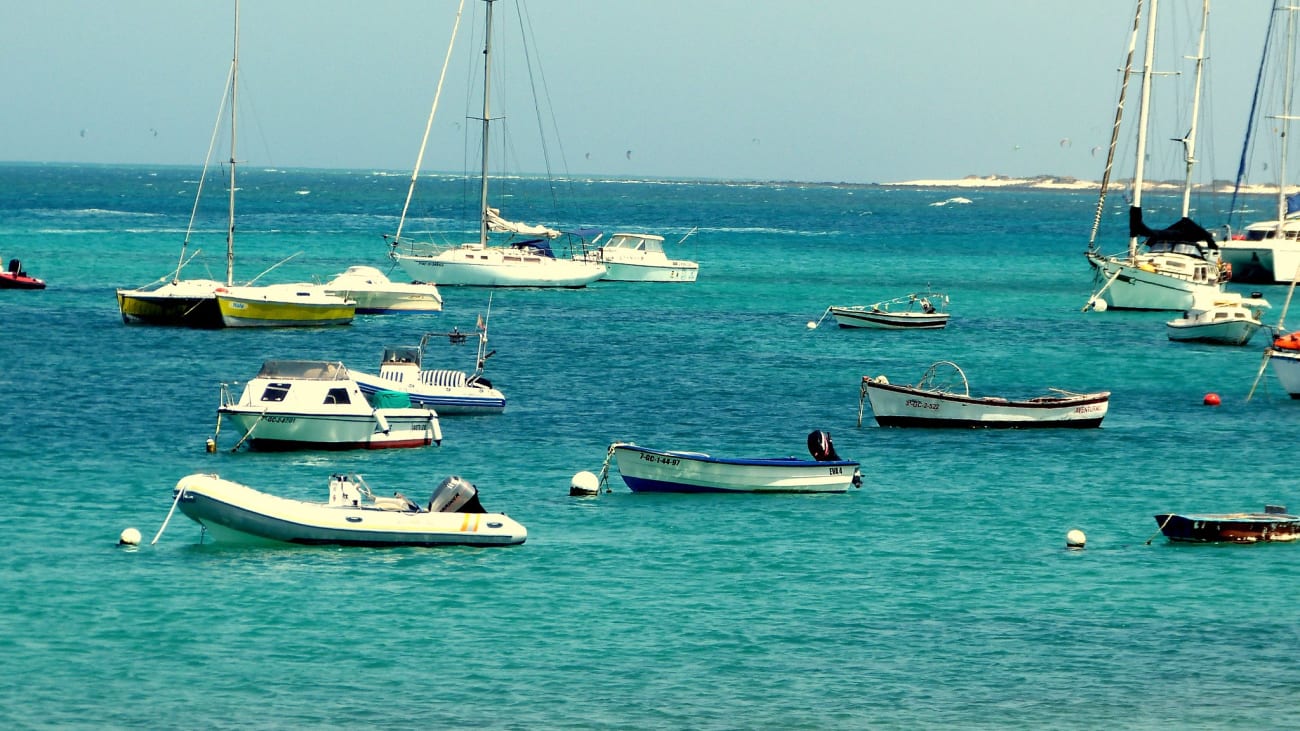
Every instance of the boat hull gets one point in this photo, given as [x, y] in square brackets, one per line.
[1230, 528]
[1137, 288]
[11, 281]
[857, 317]
[1286, 366]
[904, 406]
[1237, 332]
[630, 272]
[182, 304]
[652, 470]
[459, 400]
[478, 266]
[282, 306]
[234, 513]
[375, 294]
[289, 430]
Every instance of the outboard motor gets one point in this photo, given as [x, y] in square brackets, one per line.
[15, 266]
[821, 448]
[455, 495]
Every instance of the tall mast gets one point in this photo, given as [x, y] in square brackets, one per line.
[1189, 142]
[1286, 118]
[1139, 171]
[1115, 128]
[487, 83]
[234, 95]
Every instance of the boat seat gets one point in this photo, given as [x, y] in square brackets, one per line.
[450, 379]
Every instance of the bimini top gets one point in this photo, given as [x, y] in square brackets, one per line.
[309, 370]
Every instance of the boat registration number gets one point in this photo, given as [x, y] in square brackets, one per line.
[659, 459]
[280, 419]
[1089, 409]
[915, 404]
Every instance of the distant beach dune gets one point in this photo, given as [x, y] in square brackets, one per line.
[1048, 182]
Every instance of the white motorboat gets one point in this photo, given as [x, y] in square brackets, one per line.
[655, 470]
[354, 516]
[1284, 356]
[632, 257]
[526, 262]
[1163, 269]
[916, 311]
[942, 399]
[1267, 252]
[309, 404]
[375, 293]
[283, 305]
[446, 391]
[1228, 319]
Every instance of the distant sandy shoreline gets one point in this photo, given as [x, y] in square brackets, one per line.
[1066, 183]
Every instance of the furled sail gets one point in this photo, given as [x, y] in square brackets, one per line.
[498, 224]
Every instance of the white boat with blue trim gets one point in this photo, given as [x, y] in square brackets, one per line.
[655, 470]
[915, 311]
[446, 391]
[230, 512]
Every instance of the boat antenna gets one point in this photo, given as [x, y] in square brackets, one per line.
[419, 159]
[688, 235]
[1114, 132]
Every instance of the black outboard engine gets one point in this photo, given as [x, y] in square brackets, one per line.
[15, 266]
[821, 448]
[455, 495]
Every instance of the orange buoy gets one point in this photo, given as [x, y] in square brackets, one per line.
[1211, 399]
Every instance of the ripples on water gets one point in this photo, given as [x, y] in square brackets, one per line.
[940, 594]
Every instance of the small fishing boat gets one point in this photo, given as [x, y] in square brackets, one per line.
[445, 391]
[309, 404]
[282, 305]
[354, 516]
[376, 294]
[640, 258]
[942, 399]
[916, 311]
[1274, 524]
[1226, 319]
[15, 278]
[654, 470]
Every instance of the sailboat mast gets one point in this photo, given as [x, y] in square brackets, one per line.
[1189, 142]
[234, 95]
[487, 83]
[1139, 171]
[1287, 86]
[1115, 128]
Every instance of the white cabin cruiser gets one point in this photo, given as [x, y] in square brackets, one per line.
[309, 404]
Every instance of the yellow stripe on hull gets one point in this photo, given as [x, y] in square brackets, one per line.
[257, 313]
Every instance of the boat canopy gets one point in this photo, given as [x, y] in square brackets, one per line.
[315, 370]
[1183, 231]
[402, 354]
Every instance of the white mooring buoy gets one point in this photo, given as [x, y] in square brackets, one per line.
[1075, 539]
[584, 483]
[812, 325]
[129, 537]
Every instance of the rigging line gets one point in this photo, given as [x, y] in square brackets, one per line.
[207, 160]
[419, 159]
[1114, 134]
[526, 32]
[1250, 118]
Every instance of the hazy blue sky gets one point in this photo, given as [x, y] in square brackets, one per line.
[836, 90]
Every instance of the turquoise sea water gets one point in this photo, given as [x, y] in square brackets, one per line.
[938, 595]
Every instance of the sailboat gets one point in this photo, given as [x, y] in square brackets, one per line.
[1268, 252]
[1175, 266]
[528, 259]
[211, 304]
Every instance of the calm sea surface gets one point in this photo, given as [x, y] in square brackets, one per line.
[938, 595]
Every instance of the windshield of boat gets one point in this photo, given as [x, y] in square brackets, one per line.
[1176, 247]
[316, 370]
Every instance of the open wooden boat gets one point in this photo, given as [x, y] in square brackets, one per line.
[354, 516]
[656, 470]
[1274, 524]
[942, 399]
[916, 311]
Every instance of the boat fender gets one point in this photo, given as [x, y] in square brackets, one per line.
[882, 380]
[857, 477]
